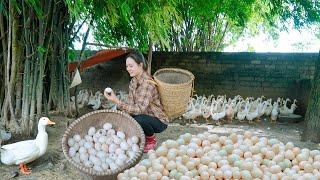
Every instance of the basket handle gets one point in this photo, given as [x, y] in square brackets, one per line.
[152, 82]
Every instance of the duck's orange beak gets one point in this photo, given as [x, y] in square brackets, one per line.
[51, 122]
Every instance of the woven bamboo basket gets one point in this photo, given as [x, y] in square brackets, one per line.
[175, 87]
[120, 121]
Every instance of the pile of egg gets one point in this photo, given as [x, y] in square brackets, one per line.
[103, 149]
[208, 156]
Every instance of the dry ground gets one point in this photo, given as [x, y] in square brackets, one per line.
[53, 164]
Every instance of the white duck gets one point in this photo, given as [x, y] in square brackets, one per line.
[274, 113]
[23, 152]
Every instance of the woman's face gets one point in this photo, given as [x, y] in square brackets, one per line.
[133, 68]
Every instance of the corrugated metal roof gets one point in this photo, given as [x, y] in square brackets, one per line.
[99, 57]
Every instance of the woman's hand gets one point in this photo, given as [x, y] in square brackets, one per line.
[111, 97]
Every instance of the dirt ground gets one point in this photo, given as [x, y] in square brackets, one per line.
[53, 164]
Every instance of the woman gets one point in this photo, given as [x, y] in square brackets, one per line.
[143, 100]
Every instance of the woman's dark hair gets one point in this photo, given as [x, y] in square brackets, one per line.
[138, 58]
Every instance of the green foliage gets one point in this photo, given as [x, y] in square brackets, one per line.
[35, 4]
[190, 25]
[41, 49]
[128, 23]
[72, 55]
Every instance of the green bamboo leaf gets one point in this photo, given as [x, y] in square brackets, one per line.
[35, 4]
[71, 55]
[41, 49]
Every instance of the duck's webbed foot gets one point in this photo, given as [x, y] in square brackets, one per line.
[24, 169]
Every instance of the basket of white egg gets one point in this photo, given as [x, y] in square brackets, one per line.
[103, 143]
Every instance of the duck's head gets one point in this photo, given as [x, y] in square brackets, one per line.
[44, 121]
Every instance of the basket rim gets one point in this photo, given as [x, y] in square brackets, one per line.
[107, 172]
[173, 69]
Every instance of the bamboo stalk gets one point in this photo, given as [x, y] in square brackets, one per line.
[44, 39]
[27, 71]
[14, 70]
[6, 71]
[3, 60]
[33, 77]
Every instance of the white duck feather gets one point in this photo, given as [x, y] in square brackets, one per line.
[29, 150]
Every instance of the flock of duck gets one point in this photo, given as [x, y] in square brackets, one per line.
[96, 100]
[248, 109]
[216, 109]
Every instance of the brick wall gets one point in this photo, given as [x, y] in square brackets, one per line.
[248, 74]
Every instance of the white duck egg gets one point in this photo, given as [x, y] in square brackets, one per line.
[82, 150]
[124, 145]
[97, 168]
[95, 160]
[119, 151]
[88, 138]
[96, 138]
[105, 147]
[121, 135]
[113, 166]
[113, 156]
[71, 142]
[123, 157]
[84, 157]
[97, 146]
[102, 139]
[135, 148]
[116, 140]
[88, 164]
[77, 137]
[119, 162]
[91, 131]
[109, 140]
[107, 126]
[88, 145]
[101, 154]
[135, 139]
[108, 90]
[76, 146]
[82, 141]
[72, 152]
[129, 141]
[109, 160]
[92, 151]
[112, 148]
[104, 166]
[102, 132]
[111, 132]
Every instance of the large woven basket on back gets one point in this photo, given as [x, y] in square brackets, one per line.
[175, 88]
[120, 121]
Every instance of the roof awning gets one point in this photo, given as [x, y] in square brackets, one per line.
[99, 57]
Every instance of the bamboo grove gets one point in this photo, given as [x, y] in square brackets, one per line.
[34, 45]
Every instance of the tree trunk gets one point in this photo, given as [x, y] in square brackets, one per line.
[7, 63]
[26, 93]
[84, 44]
[312, 118]
[2, 59]
[15, 63]
[150, 56]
